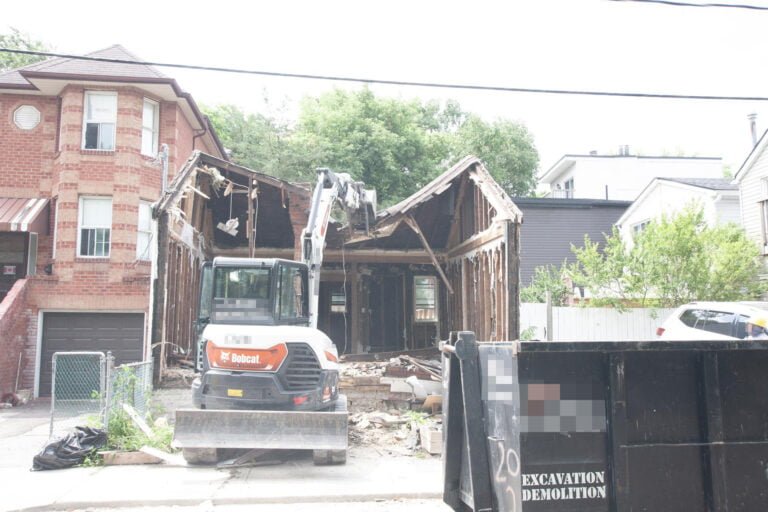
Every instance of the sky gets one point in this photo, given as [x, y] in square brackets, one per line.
[550, 44]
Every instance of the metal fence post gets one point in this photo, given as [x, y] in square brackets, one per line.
[53, 393]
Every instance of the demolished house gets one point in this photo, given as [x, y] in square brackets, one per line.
[444, 259]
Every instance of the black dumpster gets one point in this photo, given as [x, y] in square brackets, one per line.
[605, 426]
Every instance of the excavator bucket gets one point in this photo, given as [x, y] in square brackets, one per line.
[207, 428]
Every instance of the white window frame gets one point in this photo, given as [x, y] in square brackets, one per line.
[763, 205]
[97, 225]
[144, 253]
[437, 300]
[86, 121]
[639, 227]
[150, 130]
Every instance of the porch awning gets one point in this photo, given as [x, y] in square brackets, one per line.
[24, 214]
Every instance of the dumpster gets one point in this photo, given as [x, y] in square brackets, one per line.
[605, 426]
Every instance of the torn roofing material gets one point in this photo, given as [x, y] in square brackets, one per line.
[505, 207]
[198, 158]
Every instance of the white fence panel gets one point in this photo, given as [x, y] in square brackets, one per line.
[593, 324]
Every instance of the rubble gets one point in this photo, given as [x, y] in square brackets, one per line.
[393, 432]
[385, 398]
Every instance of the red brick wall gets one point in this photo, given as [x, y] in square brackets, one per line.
[27, 155]
[14, 324]
[48, 161]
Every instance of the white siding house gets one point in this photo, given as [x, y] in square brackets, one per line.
[718, 198]
[619, 177]
[752, 180]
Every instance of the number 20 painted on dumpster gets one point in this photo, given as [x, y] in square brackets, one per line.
[508, 458]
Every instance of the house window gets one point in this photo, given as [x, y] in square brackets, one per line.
[144, 229]
[99, 120]
[338, 302]
[150, 127]
[26, 117]
[764, 215]
[569, 189]
[425, 298]
[639, 227]
[94, 227]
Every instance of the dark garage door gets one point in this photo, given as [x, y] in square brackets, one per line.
[122, 333]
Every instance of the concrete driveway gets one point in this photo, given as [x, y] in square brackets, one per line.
[367, 477]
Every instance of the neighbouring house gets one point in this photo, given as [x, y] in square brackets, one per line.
[552, 226]
[619, 177]
[717, 197]
[79, 172]
[442, 260]
[752, 180]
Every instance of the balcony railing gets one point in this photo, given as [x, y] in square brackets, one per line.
[562, 194]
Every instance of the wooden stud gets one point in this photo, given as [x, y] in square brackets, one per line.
[412, 223]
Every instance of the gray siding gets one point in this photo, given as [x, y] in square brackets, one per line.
[550, 226]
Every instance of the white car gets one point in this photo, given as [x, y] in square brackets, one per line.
[712, 321]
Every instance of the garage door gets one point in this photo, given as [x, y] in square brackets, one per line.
[122, 333]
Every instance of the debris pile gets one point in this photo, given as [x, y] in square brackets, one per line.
[394, 432]
[394, 404]
[398, 383]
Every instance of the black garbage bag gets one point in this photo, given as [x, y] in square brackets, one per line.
[70, 450]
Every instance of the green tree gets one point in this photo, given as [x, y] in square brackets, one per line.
[547, 278]
[507, 149]
[17, 40]
[395, 146]
[254, 140]
[673, 261]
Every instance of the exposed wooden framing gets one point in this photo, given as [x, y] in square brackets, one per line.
[476, 241]
[250, 224]
[158, 315]
[380, 232]
[354, 283]
[389, 256]
[454, 231]
[415, 226]
[495, 195]
[512, 244]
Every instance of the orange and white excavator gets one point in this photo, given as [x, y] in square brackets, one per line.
[269, 378]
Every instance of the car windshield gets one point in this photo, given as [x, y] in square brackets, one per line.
[242, 295]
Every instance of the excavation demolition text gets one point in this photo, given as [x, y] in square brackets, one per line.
[564, 486]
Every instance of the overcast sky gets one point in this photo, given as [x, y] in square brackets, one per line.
[569, 44]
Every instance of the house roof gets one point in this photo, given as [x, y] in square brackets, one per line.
[49, 77]
[567, 161]
[69, 66]
[712, 185]
[498, 198]
[198, 158]
[548, 202]
[751, 158]
[707, 183]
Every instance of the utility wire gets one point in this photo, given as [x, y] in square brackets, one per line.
[404, 83]
[693, 4]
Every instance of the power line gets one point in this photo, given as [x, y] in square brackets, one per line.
[403, 83]
[693, 4]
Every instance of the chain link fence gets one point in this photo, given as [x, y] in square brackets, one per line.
[86, 388]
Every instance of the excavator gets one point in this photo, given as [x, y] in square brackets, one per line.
[268, 376]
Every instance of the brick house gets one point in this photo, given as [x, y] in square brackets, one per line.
[80, 144]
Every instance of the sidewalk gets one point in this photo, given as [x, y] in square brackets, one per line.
[366, 476]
